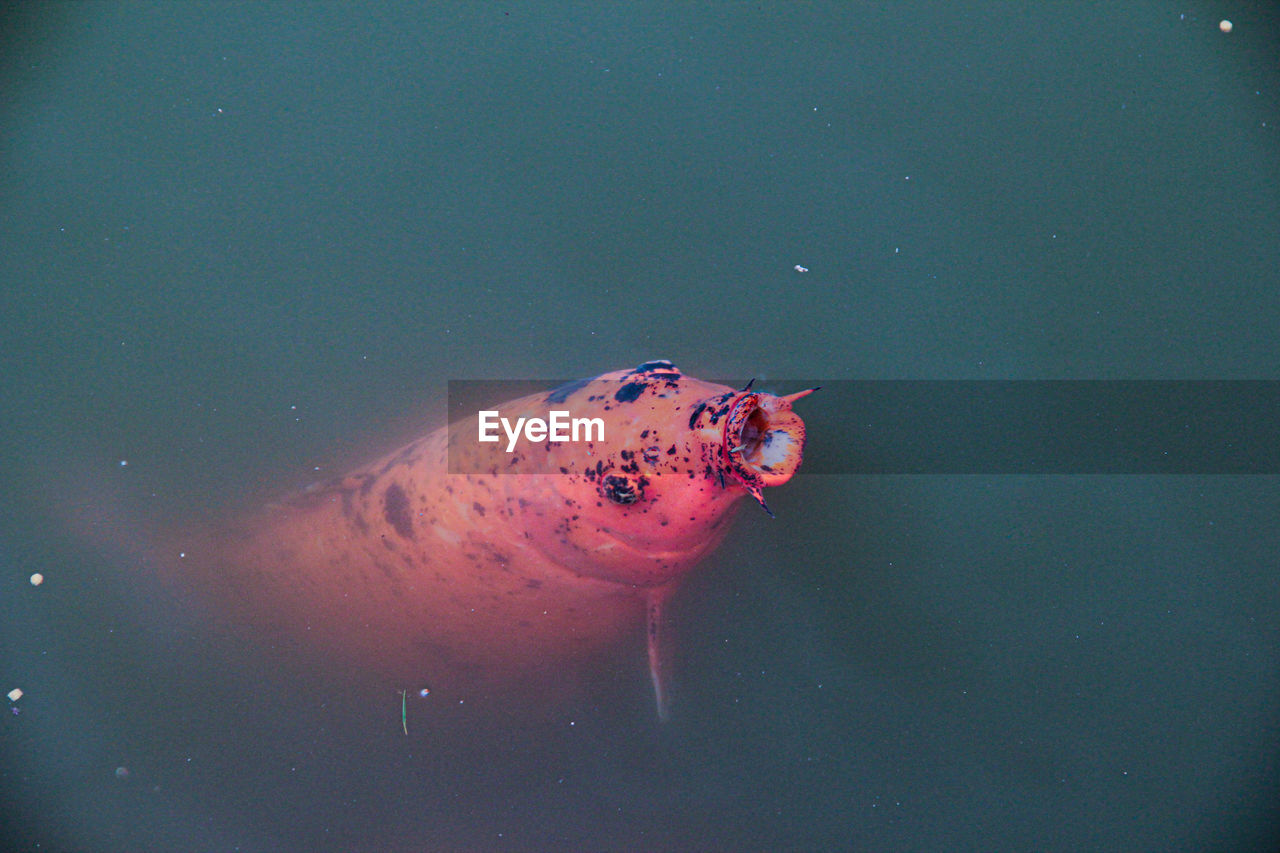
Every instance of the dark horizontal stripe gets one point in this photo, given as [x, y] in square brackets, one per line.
[1010, 426]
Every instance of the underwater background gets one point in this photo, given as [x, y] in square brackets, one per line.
[243, 243]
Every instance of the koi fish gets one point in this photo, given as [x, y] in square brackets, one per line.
[441, 562]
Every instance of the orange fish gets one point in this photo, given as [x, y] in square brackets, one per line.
[444, 562]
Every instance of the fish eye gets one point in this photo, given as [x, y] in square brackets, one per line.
[622, 490]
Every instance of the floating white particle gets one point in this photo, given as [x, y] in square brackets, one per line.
[37, 579]
[15, 694]
[1224, 25]
[799, 268]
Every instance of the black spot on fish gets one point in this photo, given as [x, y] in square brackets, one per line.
[396, 511]
[621, 490]
[629, 392]
[559, 395]
[478, 507]
[693, 418]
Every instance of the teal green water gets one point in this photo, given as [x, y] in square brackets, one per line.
[245, 241]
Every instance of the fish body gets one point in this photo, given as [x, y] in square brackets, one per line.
[479, 565]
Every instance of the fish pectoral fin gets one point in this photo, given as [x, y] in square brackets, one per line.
[659, 656]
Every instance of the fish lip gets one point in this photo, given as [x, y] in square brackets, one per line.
[763, 439]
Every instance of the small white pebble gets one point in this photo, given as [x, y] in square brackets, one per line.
[37, 579]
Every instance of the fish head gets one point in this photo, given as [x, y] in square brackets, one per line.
[650, 500]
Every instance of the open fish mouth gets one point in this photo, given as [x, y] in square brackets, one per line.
[764, 440]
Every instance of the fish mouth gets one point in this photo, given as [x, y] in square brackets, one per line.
[764, 440]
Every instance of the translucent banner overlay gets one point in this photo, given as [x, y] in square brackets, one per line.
[997, 426]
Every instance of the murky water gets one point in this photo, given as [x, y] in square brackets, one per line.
[247, 247]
